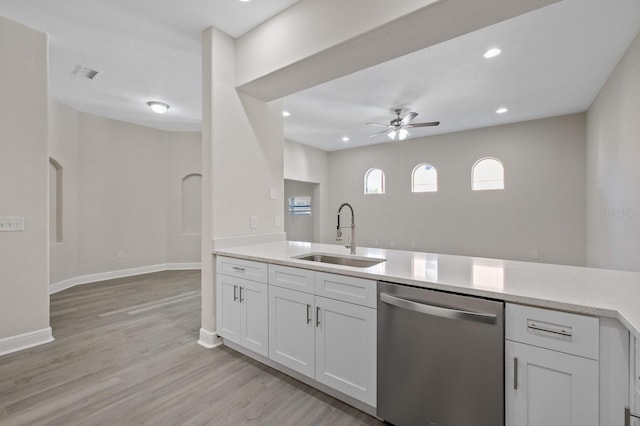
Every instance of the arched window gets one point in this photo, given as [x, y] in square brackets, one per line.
[424, 178]
[55, 202]
[487, 173]
[374, 181]
[191, 204]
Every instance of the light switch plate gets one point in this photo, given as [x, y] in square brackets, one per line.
[11, 224]
[254, 222]
[273, 193]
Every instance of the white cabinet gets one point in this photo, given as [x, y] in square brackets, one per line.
[329, 340]
[242, 304]
[549, 388]
[346, 348]
[291, 329]
[551, 368]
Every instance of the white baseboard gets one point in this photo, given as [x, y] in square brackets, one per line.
[209, 339]
[25, 341]
[122, 273]
[183, 266]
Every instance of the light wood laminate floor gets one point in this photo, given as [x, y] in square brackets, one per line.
[126, 354]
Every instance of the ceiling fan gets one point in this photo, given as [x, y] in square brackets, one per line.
[397, 128]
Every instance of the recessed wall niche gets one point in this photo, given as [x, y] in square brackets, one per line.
[55, 202]
[192, 204]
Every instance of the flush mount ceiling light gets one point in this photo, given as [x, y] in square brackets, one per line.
[501, 110]
[286, 113]
[345, 139]
[158, 107]
[492, 53]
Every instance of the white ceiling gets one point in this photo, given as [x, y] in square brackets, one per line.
[554, 61]
[144, 50]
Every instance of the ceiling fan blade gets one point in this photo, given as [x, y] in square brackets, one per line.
[379, 133]
[407, 118]
[378, 124]
[430, 124]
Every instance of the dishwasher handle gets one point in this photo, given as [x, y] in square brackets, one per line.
[437, 310]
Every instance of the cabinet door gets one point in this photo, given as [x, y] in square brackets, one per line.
[254, 324]
[228, 306]
[346, 348]
[549, 388]
[291, 329]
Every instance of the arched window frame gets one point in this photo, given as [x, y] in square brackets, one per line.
[381, 184]
[433, 187]
[483, 185]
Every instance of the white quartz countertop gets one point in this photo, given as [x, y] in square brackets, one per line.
[600, 292]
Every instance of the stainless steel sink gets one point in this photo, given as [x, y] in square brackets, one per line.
[336, 259]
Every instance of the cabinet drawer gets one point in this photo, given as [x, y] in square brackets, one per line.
[255, 271]
[560, 331]
[291, 278]
[347, 289]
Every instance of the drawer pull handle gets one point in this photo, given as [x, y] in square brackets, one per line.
[627, 416]
[548, 330]
[308, 314]
[238, 268]
[515, 373]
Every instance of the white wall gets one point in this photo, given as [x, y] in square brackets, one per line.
[306, 164]
[242, 149]
[613, 175]
[300, 227]
[24, 173]
[542, 207]
[121, 192]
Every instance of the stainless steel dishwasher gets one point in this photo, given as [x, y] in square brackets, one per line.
[440, 358]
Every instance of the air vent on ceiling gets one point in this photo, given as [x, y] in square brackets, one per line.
[85, 72]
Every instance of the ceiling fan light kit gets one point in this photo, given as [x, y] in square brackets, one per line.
[397, 127]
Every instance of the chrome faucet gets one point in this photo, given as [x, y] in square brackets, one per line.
[352, 243]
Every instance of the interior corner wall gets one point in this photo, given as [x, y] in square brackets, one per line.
[24, 255]
[121, 192]
[246, 141]
[64, 149]
[541, 209]
[306, 164]
[613, 175]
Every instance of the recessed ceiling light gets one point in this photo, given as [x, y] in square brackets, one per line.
[244, 1]
[501, 110]
[492, 53]
[345, 139]
[286, 113]
[158, 107]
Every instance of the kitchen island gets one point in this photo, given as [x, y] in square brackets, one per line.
[598, 292]
[562, 323]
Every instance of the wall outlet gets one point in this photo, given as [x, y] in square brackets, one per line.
[120, 254]
[8, 224]
[392, 244]
[534, 255]
[278, 221]
[254, 222]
